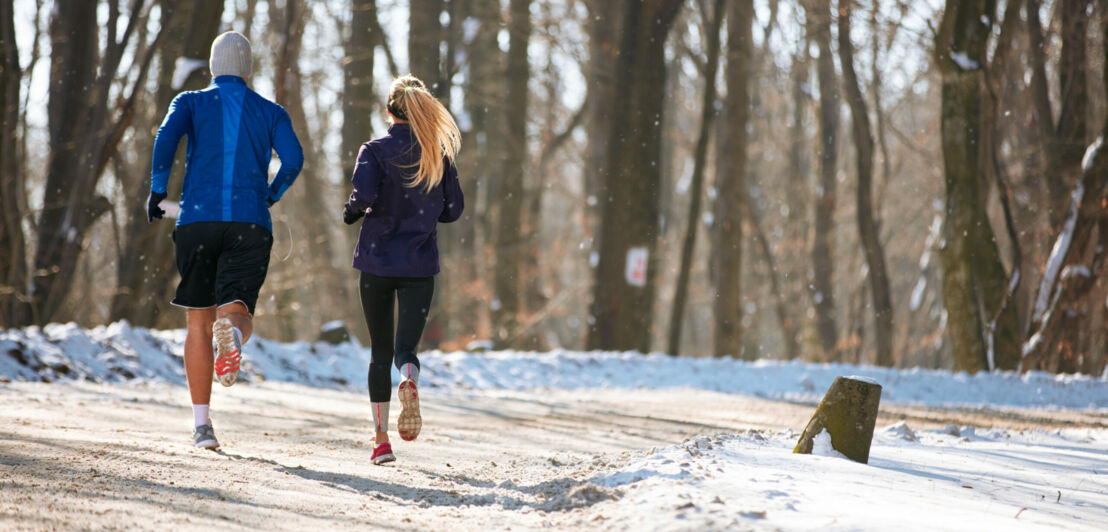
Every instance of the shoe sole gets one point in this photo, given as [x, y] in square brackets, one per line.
[208, 444]
[384, 459]
[410, 422]
[224, 334]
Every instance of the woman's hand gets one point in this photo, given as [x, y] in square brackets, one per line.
[349, 217]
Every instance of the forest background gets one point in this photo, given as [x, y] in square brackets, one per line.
[900, 183]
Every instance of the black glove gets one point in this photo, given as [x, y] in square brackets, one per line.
[153, 211]
[349, 216]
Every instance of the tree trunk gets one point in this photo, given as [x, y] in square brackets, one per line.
[359, 101]
[70, 205]
[1070, 273]
[1072, 140]
[1063, 143]
[848, 412]
[479, 164]
[603, 27]
[731, 182]
[867, 220]
[823, 266]
[508, 285]
[799, 189]
[622, 309]
[146, 271]
[692, 222]
[974, 282]
[1003, 333]
[13, 246]
[424, 38]
[331, 286]
[1071, 129]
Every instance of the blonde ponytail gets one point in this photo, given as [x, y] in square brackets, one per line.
[433, 126]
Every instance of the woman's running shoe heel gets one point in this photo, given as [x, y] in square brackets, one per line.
[410, 422]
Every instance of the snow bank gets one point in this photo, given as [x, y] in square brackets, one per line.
[978, 480]
[121, 352]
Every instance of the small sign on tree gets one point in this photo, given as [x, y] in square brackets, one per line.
[635, 271]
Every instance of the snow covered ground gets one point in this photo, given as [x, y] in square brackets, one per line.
[954, 479]
[121, 352]
[957, 478]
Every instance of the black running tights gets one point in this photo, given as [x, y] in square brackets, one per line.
[393, 344]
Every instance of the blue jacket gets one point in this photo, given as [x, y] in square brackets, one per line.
[232, 132]
[398, 237]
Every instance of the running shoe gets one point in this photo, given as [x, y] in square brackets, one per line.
[410, 421]
[204, 436]
[228, 348]
[383, 453]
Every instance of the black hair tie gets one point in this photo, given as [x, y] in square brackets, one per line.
[396, 111]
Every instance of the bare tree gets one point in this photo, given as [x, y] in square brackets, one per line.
[799, 191]
[85, 128]
[603, 27]
[1076, 260]
[307, 200]
[1003, 334]
[818, 14]
[1063, 142]
[867, 220]
[973, 277]
[712, 23]
[424, 43]
[509, 288]
[13, 250]
[731, 181]
[359, 101]
[622, 308]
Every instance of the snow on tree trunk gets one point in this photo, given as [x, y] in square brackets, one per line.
[975, 284]
[1069, 274]
[848, 412]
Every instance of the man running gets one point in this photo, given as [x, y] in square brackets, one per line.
[223, 235]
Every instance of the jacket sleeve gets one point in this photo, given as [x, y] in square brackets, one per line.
[452, 201]
[366, 180]
[177, 122]
[291, 154]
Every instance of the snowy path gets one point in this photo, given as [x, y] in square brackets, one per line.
[96, 455]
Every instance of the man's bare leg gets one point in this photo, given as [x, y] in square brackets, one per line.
[198, 354]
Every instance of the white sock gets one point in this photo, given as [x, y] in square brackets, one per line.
[410, 371]
[200, 415]
[380, 416]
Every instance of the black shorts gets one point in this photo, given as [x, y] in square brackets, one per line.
[221, 263]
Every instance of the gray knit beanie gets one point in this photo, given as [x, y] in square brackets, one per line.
[231, 56]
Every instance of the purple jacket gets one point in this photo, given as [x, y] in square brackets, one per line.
[398, 236]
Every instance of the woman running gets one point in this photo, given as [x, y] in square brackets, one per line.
[405, 183]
